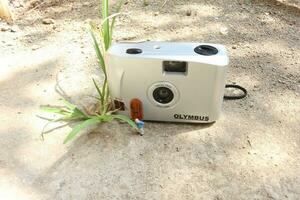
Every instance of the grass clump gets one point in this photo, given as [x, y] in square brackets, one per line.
[102, 36]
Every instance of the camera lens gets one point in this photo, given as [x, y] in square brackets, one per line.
[163, 95]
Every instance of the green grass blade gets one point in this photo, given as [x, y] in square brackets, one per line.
[96, 98]
[96, 30]
[98, 53]
[105, 26]
[80, 127]
[50, 109]
[56, 110]
[101, 94]
[68, 104]
[98, 89]
[104, 89]
[76, 114]
[50, 121]
[113, 21]
[105, 117]
[125, 119]
[73, 111]
[106, 97]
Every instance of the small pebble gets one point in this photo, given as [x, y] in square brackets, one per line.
[4, 28]
[35, 47]
[86, 3]
[48, 21]
[224, 30]
[14, 29]
[188, 12]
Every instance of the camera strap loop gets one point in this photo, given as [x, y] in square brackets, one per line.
[235, 97]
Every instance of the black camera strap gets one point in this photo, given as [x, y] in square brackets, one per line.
[235, 97]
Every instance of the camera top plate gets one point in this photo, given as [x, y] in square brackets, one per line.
[176, 51]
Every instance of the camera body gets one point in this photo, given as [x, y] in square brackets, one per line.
[177, 82]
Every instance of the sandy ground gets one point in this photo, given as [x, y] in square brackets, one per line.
[252, 152]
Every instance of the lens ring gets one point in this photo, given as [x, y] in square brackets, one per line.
[163, 95]
[175, 96]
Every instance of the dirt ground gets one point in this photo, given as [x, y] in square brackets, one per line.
[252, 152]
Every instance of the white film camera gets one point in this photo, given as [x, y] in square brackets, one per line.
[168, 81]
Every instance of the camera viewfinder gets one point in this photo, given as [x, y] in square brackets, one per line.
[175, 66]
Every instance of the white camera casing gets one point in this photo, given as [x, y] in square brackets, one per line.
[198, 92]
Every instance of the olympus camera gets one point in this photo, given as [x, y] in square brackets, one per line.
[167, 81]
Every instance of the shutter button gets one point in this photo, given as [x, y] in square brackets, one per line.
[206, 50]
[134, 51]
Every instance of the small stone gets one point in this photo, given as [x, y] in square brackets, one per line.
[188, 12]
[128, 38]
[35, 47]
[249, 142]
[156, 13]
[271, 192]
[234, 47]
[86, 3]
[224, 30]
[217, 197]
[145, 3]
[14, 29]
[48, 21]
[17, 4]
[4, 28]
[62, 183]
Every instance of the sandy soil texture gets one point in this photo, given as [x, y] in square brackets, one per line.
[252, 152]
